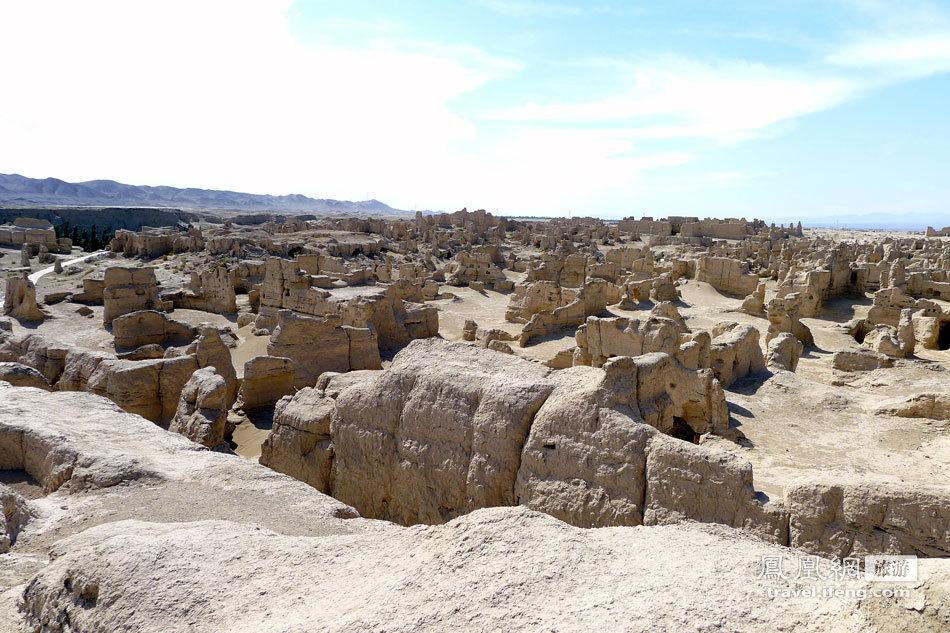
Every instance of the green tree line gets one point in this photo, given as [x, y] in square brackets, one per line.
[89, 239]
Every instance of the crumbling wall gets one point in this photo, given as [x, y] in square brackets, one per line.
[727, 275]
[318, 345]
[128, 290]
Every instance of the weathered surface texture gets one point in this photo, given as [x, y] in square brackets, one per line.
[935, 406]
[854, 517]
[604, 338]
[217, 543]
[20, 375]
[147, 327]
[450, 428]
[267, 379]
[728, 275]
[438, 435]
[859, 360]
[316, 345]
[784, 352]
[735, 352]
[202, 409]
[211, 290]
[19, 300]
[501, 569]
[128, 290]
[584, 461]
[15, 511]
[299, 444]
[150, 388]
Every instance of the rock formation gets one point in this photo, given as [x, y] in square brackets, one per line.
[19, 300]
[319, 345]
[632, 471]
[146, 327]
[14, 514]
[784, 314]
[859, 360]
[150, 388]
[469, 330]
[728, 275]
[20, 375]
[202, 409]
[735, 352]
[755, 302]
[485, 406]
[210, 290]
[128, 290]
[935, 406]
[33, 232]
[600, 339]
[784, 352]
[266, 380]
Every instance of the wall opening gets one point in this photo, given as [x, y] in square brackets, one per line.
[859, 331]
[943, 336]
[683, 431]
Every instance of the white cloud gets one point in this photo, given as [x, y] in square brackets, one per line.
[726, 176]
[220, 95]
[546, 9]
[542, 170]
[900, 41]
[727, 102]
[529, 8]
[905, 55]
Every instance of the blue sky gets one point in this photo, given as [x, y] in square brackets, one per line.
[755, 109]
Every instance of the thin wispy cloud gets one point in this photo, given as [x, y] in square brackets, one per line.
[543, 9]
[905, 56]
[728, 102]
[529, 8]
[902, 41]
[731, 177]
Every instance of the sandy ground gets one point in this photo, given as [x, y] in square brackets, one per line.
[250, 346]
[250, 434]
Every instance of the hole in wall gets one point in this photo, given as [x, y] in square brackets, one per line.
[681, 430]
[943, 336]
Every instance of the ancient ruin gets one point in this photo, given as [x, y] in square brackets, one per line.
[694, 377]
[485, 316]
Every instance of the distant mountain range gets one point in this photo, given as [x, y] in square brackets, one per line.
[20, 190]
[17, 190]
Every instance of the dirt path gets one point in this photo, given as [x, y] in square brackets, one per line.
[35, 277]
